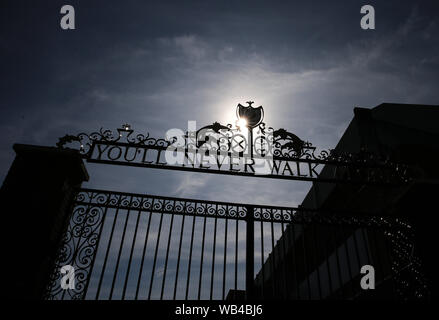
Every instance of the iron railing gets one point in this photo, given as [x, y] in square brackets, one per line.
[133, 246]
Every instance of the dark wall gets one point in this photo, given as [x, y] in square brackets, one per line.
[35, 199]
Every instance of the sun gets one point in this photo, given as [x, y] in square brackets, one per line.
[242, 123]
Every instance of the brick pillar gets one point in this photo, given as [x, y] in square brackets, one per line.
[36, 198]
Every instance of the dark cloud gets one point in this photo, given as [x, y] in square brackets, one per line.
[158, 64]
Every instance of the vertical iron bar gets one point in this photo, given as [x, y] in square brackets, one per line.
[342, 230]
[305, 259]
[313, 235]
[202, 257]
[262, 258]
[366, 245]
[249, 264]
[225, 257]
[179, 255]
[328, 255]
[273, 259]
[294, 256]
[167, 253]
[354, 237]
[251, 142]
[356, 248]
[190, 254]
[131, 255]
[284, 260]
[378, 258]
[116, 214]
[151, 281]
[236, 254]
[213, 257]
[334, 236]
[144, 249]
[120, 251]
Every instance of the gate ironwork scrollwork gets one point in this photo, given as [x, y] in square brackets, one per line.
[286, 156]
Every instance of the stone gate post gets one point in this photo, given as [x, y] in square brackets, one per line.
[36, 198]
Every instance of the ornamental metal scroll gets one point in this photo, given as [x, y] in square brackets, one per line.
[78, 249]
[248, 148]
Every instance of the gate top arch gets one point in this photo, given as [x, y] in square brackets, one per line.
[247, 148]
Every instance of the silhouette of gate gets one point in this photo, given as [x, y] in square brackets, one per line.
[134, 246]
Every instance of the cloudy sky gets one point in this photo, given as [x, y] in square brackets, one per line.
[158, 64]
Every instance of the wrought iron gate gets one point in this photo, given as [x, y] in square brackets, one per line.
[134, 246]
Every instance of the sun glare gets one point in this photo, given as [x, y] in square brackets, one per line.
[242, 123]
